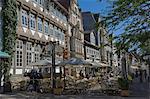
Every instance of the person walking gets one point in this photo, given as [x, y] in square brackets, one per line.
[141, 76]
[136, 73]
[145, 75]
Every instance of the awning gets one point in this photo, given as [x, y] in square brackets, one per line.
[44, 62]
[74, 61]
[94, 64]
[4, 55]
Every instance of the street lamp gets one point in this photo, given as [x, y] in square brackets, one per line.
[53, 73]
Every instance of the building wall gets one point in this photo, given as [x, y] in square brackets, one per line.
[92, 52]
[77, 36]
[38, 24]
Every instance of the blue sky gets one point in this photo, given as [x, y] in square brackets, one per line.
[96, 7]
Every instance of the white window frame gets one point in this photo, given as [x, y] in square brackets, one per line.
[40, 25]
[28, 53]
[51, 30]
[63, 36]
[32, 21]
[37, 53]
[19, 53]
[24, 18]
[55, 31]
[92, 38]
[59, 34]
[51, 8]
[46, 29]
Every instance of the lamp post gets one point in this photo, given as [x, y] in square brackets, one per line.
[53, 73]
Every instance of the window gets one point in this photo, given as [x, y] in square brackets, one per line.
[51, 8]
[61, 16]
[35, 0]
[40, 26]
[55, 29]
[76, 10]
[63, 36]
[51, 31]
[40, 2]
[92, 38]
[19, 53]
[59, 34]
[64, 18]
[28, 53]
[46, 27]
[24, 18]
[37, 53]
[57, 12]
[32, 21]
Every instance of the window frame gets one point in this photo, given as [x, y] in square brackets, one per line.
[37, 53]
[46, 27]
[28, 53]
[24, 18]
[32, 22]
[40, 25]
[51, 30]
[19, 53]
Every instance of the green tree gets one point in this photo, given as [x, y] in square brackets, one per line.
[134, 16]
[9, 15]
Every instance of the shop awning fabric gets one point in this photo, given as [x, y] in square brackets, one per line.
[74, 61]
[4, 55]
[44, 62]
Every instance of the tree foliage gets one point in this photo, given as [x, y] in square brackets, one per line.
[9, 16]
[134, 16]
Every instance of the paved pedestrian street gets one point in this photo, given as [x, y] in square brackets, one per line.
[31, 96]
[137, 91]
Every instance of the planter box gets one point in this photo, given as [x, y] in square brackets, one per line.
[124, 93]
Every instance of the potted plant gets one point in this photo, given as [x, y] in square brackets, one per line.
[124, 86]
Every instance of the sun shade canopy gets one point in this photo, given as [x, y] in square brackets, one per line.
[4, 55]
